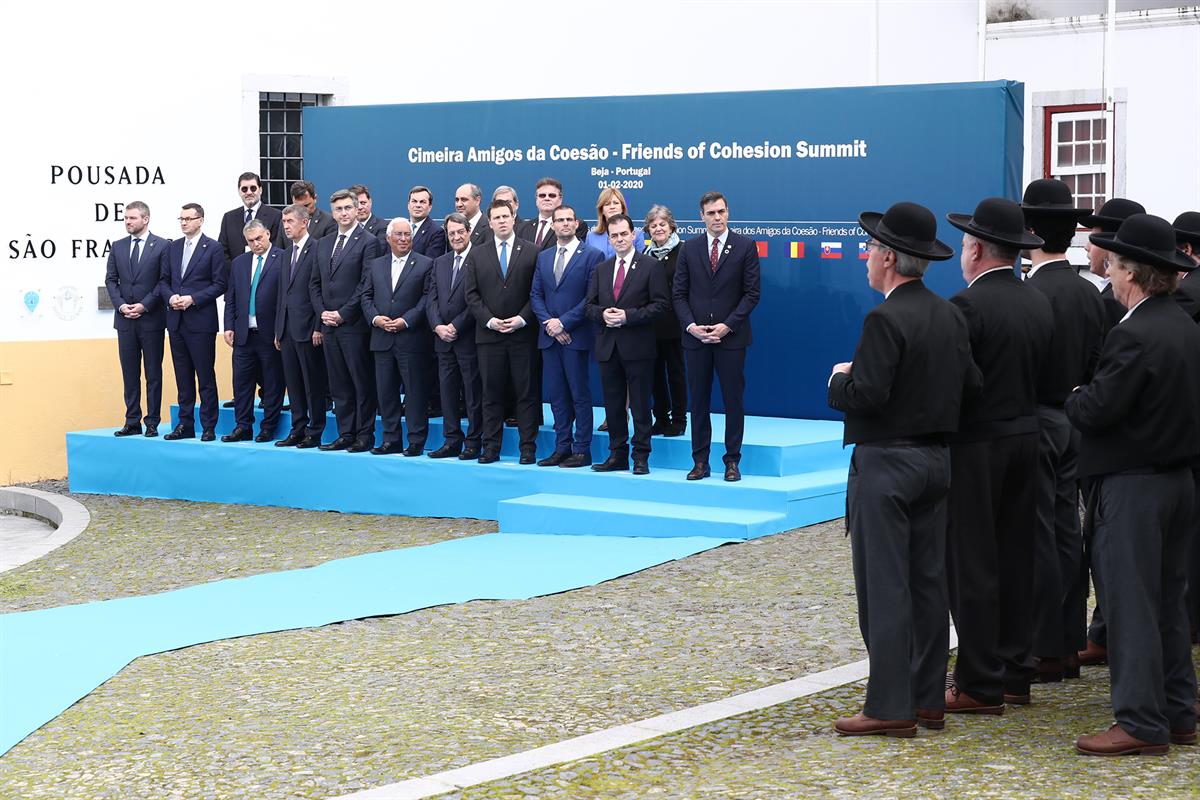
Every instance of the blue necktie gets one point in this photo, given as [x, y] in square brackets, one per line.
[136, 254]
[504, 259]
[254, 285]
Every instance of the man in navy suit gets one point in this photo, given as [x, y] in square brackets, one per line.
[454, 343]
[565, 338]
[250, 303]
[298, 335]
[193, 275]
[626, 294]
[341, 260]
[393, 301]
[365, 213]
[428, 238]
[716, 288]
[131, 277]
[231, 238]
[548, 195]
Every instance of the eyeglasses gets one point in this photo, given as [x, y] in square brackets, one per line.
[189, 219]
[874, 245]
[248, 189]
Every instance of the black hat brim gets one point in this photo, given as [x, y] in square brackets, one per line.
[1097, 221]
[1190, 237]
[966, 224]
[1177, 261]
[1055, 211]
[937, 251]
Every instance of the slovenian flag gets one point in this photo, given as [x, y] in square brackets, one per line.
[762, 249]
[831, 249]
[797, 249]
[862, 251]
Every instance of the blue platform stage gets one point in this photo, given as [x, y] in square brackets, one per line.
[794, 474]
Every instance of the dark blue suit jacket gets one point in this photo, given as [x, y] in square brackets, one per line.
[446, 304]
[644, 297]
[728, 295]
[430, 240]
[231, 237]
[128, 286]
[565, 301]
[237, 295]
[294, 315]
[205, 281]
[405, 300]
[337, 288]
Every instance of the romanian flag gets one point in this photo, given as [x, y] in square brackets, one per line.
[797, 249]
[862, 251]
[762, 249]
[831, 249]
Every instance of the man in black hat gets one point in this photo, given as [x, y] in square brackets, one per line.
[901, 396]
[993, 463]
[1187, 234]
[1138, 447]
[1058, 634]
[1107, 220]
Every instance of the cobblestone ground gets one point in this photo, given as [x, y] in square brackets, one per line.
[791, 751]
[326, 711]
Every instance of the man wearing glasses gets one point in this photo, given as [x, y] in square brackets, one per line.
[233, 242]
[549, 196]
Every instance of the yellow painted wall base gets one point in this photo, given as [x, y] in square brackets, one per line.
[49, 388]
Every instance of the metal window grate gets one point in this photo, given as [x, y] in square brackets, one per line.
[281, 141]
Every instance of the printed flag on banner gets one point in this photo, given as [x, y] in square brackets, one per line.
[862, 251]
[831, 249]
[797, 249]
[762, 249]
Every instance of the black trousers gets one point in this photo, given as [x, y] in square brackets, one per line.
[412, 368]
[632, 378]
[307, 386]
[670, 383]
[502, 362]
[1058, 631]
[351, 371]
[896, 513]
[1143, 523]
[989, 563]
[195, 356]
[140, 348]
[730, 369]
[1193, 574]
[458, 376]
[257, 363]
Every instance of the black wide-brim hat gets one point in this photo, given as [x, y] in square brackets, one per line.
[908, 227]
[1050, 197]
[997, 220]
[1147, 239]
[1187, 227]
[1112, 214]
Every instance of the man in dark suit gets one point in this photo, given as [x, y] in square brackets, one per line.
[320, 224]
[565, 337]
[250, 303]
[1187, 233]
[901, 396]
[428, 239]
[1139, 436]
[498, 283]
[548, 195]
[716, 287]
[1059, 616]
[467, 199]
[1106, 220]
[341, 261]
[193, 275]
[626, 294]
[993, 464]
[231, 238]
[454, 343]
[298, 335]
[393, 301]
[131, 277]
[364, 212]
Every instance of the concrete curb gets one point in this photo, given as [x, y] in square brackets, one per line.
[67, 518]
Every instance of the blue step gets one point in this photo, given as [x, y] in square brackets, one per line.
[602, 516]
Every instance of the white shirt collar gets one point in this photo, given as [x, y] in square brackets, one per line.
[300, 244]
[1129, 313]
[511, 240]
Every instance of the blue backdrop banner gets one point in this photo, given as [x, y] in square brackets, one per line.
[797, 167]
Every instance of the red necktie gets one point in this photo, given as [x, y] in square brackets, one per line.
[620, 281]
[714, 254]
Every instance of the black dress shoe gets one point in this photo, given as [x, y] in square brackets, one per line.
[445, 451]
[386, 449]
[675, 430]
[238, 435]
[470, 454]
[361, 446]
[732, 473]
[291, 440]
[699, 471]
[611, 464]
[227, 404]
[340, 443]
[659, 428]
[603, 426]
[413, 450]
[309, 442]
[554, 459]
[511, 422]
[528, 457]
[208, 436]
[576, 460]
[180, 432]
[264, 436]
[489, 458]
[129, 430]
[151, 431]
[640, 467]
[285, 407]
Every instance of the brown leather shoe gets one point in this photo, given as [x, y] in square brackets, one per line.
[1071, 666]
[862, 725]
[1093, 655]
[933, 720]
[1183, 737]
[1116, 742]
[959, 702]
[1049, 670]
[1015, 698]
